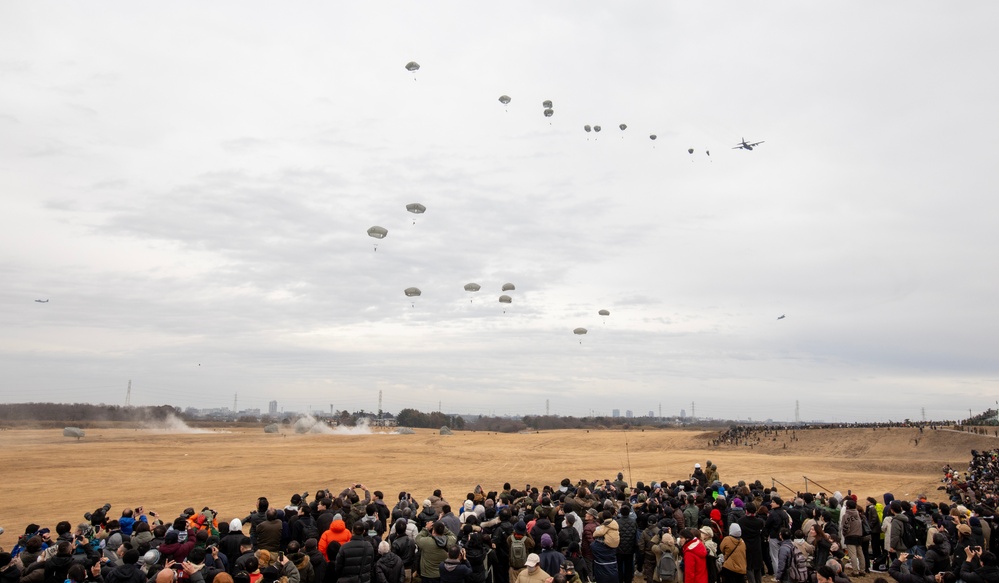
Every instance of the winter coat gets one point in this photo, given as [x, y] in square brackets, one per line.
[853, 530]
[785, 557]
[302, 562]
[895, 533]
[734, 551]
[355, 559]
[404, 548]
[752, 535]
[390, 569]
[269, 535]
[605, 562]
[980, 575]
[454, 571]
[695, 564]
[610, 534]
[337, 532]
[551, 560]
[628, 532]
[543, 526]
[126, 574]
[896, 572]
[433, 551]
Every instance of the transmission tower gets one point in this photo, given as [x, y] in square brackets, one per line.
[797, 413]
[547, 408]
[924, 414]
[660, 409]
[693, 415]
[128, 394]
[379, 403]
[234, 396]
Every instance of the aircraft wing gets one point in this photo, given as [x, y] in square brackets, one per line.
[756, 143]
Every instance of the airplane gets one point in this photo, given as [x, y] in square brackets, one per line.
[746, 146]
[781, 317]
[42, 301]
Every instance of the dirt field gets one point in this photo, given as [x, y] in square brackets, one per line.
[47, 477]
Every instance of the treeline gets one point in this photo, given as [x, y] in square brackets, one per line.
[548, 422]
[80, 413]
[414, 418]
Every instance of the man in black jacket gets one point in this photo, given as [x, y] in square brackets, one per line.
[357, 557]
[628, 529]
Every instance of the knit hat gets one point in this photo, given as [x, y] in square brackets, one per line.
[427, 503]
[546, 541]
[171, 537]
[520, 527]
[707, 532]
[716, 515]
[735, 530]
[737, 503]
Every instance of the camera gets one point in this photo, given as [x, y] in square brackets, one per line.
[98, 516]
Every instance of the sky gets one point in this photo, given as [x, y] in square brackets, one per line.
[190, 184]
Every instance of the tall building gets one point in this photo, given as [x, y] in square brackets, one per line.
[651, 414]
[615, 412]
[683, 413]
[629, 414]
[272, 409]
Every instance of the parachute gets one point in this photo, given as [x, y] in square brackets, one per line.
[596, 128]
[412, 292]
[445, 430]
[272, 428]
[653, 137]
[623, 126]
[504, 99]
[690, 150]
[604, 313]
[549, 112]
[412, 66]
[505, 300]
[579, 332]
[378, 233]
[508, 287]
[404, 431]
[472, 287]
[547, 104]
[587, 128]
[73, 432]
[416, 208]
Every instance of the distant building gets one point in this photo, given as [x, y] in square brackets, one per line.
[272, 408]
[683, 413]
[615, 412]
[651, 414]
[629, 414]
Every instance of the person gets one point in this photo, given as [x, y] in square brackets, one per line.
[551, 559]
[389, 568]
[337, 533]
[853, 536]
[269, 532]
[256, 517]
[628, 531]
[433, 545]
[532, 573]
[776, 519]
[404, 547]
[752, 534]
[785, 556]
[694, 554]
[129, 571]
[519, 545]
[733, 548]
[455, 569]
[915, 574]
[356, 558]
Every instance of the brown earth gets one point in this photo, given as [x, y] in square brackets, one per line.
[47, 477]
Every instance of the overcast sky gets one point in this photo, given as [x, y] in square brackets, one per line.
[190, 185]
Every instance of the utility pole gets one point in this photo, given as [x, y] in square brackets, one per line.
[692, 414]
[797, 413]
[128, 394]
[547, 408]
[660, 410]
[379, 403]
[234, 396]
[924, 414]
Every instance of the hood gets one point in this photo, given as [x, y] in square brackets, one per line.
[889, 497]
[338, 532]
[338, 526]
[450, 565]
[440, 541]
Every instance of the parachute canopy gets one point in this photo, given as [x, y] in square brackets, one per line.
[690, 150]
[623, 126]
[604, 313]
[653, 136]
[73, 432]
[412, 66]
[505, 300]
[377, 232]
[412, 292]
[508, 287]
[445, 430]
[547, 104]
[472, 287]
[587, 128]
[272, 428]
[416, 208]
[504, 99]
[549, 112]
[579, 331]
[596, 128]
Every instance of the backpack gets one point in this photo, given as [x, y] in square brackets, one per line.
[309, 528]
[666, 569]
[921, 529]
[518, 552]
[908, 534]
[797, 566]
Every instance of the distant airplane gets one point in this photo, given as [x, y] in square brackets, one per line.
[746, 145]
[42, 301]
[781, 317]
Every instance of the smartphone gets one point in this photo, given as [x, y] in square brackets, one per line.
[280, 556]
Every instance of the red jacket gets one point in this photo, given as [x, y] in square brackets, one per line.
[695, 565]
